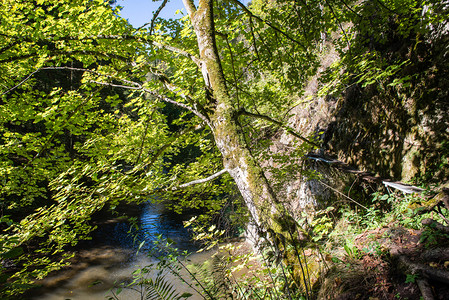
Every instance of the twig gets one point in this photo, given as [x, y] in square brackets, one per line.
[233, 70]
[280, 124]
[339, 23]
[340, 193]
[22, 82]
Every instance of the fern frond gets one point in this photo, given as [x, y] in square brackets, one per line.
[162, 289]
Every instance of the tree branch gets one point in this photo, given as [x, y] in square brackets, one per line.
[280, 124]
[67, 68]
[195, 59]
[160, 97]
[99, 37]
[139, 87]
[174, 89]
[338, 21]
[144, 134]
[70, 52]
[22, 82]
[247, 11]
[52, 137]
[162, 149]
[254, 37]
[155, 15]
[190, 6]
[198, 181]
[233, 70]
[9, 46]
[340, 193]
[132, 85]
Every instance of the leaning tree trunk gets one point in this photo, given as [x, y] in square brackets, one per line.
[229, 138]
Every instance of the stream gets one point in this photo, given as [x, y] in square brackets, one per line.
[111, 257]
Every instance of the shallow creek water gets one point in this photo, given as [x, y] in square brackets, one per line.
[111, 257]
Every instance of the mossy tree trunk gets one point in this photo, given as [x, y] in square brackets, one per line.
[237, 159]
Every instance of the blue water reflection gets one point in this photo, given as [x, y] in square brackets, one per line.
[153, 221]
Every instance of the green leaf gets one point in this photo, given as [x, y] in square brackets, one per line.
[13, 253]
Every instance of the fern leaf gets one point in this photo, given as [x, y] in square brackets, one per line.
[161, 289]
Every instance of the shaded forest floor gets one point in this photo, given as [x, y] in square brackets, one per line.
[392, 262]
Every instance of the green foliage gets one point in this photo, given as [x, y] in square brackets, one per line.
[411, 278]
[431, 236]
[351, 251]
[70, 148]
[230, 272]
[322, 224]
[61, 138]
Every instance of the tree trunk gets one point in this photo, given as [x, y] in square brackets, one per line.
[229, 138]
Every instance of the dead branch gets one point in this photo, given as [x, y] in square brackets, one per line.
[198, 181]
[156, 14]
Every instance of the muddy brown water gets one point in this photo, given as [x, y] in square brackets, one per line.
[111, 256]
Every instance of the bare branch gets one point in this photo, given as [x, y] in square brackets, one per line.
[72, 69]
[198, 181]
[340, 193]
[117, 85]
[280, 124]
[233, 70]
[132, 85]
[254, 37]
[168, 100]
[144, 135]
[22, 82]
[99, 37]
[156, 14]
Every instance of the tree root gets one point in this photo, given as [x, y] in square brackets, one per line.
[438, 254]
[425, 273]
[436, 225]
[433, 204]
[426, 290]
[424, 270]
